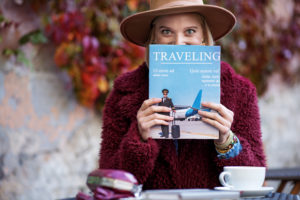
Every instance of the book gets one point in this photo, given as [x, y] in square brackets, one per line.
[184, 76]
[188, 194]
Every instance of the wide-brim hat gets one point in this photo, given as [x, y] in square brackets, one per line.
[136, 28]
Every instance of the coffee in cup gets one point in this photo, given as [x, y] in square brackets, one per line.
[243, 177]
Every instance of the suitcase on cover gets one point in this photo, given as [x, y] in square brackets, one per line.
[175, 129]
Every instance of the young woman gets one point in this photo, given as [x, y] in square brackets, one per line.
[129, 114]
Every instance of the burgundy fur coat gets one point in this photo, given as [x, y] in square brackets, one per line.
[155, 163]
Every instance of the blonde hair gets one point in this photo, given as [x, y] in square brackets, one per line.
[208, 38]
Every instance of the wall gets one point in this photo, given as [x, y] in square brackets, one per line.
[48, 143]
[280, 119]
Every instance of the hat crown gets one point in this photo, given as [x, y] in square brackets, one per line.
[159, 4]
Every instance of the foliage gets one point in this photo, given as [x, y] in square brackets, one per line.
[261, 44]
[258, 47]
[20, 56]
[35, 37]
[2, 19]
[8, 50]
[90, 47]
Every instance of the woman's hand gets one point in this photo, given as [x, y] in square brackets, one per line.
[148, 116]
[222, 120]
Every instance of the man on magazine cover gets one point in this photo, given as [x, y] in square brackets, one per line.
[166, 101]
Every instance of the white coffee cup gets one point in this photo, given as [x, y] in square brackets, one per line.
[243, 177]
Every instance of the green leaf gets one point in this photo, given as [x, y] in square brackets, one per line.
[0, 38]
[25, 39]
[35, 37]
[8, 52]
[38, 38]
[22, 58]
[2, 19]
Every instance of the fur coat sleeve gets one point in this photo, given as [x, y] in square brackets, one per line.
[239, 95]
[122, 147]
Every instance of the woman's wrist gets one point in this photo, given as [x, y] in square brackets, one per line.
[228, 141]
[222, 139]
[230, 148]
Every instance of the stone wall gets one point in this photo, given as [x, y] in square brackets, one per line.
[280, 119]
[48, 143]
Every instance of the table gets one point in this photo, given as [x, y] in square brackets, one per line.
[285, 175]
[270, 196]
[275, 196]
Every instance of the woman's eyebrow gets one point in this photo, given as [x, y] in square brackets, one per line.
[164, 27]
[194, 27]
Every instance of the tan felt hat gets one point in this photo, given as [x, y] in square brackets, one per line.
[136, 28]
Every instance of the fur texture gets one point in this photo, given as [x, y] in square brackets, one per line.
[196, 165]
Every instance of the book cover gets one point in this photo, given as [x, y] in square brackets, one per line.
[184, 76]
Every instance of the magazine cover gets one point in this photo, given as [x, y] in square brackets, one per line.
[184, 76]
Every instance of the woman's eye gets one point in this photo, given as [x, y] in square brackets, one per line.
[190, 31]
[166, 32]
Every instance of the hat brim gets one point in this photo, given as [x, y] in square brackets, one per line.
[136, 28]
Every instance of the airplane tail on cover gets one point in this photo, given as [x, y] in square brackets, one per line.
[196, 105]
[197, 102]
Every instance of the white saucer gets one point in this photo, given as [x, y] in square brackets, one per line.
[248, 192]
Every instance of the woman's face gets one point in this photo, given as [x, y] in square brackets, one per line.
[179, 29]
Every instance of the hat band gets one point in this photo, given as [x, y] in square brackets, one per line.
[177, 4]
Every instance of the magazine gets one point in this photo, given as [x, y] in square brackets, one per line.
[189, 194]
[184, 76]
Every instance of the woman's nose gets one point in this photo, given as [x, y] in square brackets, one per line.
[180, 40]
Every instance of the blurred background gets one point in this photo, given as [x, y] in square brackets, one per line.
[58, 62]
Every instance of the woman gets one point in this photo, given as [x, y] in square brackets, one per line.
[129, 114]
